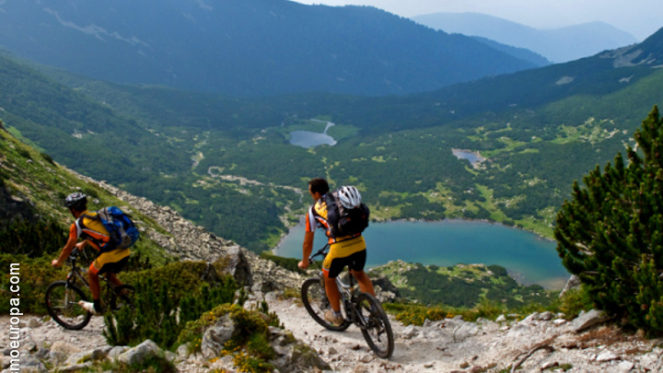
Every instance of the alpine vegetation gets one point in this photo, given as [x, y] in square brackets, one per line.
[609, 234]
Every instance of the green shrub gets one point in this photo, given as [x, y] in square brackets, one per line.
[415, 314]
[24, 153]
[574, 301]
[166, 298]
[249, 343]
[611, 233]
[47, 158]
[33, 238]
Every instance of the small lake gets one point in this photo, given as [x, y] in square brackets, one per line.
[473, 157]
[308, 139]
[526, 256]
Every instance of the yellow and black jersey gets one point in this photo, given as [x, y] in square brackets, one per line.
[339, 247]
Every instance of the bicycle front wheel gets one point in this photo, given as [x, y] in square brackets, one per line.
[62, 304]
[375, 325]
[316, 303]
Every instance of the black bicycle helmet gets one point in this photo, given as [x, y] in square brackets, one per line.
[76, 200]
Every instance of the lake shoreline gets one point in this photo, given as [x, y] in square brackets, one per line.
[274, 250]
[529, 258]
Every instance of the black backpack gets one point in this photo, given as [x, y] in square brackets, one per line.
[345, 222]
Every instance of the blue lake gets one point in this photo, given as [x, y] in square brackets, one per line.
[308, 139]
[526, 256]
[466, 154]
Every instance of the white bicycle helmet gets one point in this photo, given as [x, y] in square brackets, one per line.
[349, 197]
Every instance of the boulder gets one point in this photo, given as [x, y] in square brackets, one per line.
[572, 283]
[589, 319]
[60, 352]
[216, 336]
[141, 353]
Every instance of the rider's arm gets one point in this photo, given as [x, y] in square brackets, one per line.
[68, 247]
[307, 248]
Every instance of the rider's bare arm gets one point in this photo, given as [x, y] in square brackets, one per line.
[66, 250]
[307, 248]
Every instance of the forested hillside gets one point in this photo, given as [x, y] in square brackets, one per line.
[246, 47]
[227, 163]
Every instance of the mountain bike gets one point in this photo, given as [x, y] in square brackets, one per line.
[357, 308]
[62, 297]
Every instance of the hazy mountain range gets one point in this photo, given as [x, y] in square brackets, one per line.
[557, 45]
[246, 47]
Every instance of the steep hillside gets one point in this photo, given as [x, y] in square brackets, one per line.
[209, 156]
[32, 186]
[602, 74]
[127, 150]
[246, 47]
[558, 45]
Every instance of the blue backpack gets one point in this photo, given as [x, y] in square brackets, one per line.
[122, 230]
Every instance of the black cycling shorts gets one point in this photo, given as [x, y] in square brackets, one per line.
[355, 262]
[114, 267]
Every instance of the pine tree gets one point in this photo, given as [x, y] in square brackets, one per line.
[611, 233]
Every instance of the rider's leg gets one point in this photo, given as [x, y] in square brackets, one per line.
[332, 293]
[93, 276]
[112, 277]
[365, 283]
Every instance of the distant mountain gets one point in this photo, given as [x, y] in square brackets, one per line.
[558, 45]
[520, 53]
[601, 74]
[246, 47]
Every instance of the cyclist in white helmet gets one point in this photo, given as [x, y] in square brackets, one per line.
[347, 250]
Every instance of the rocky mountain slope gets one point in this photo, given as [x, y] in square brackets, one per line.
[540, 341]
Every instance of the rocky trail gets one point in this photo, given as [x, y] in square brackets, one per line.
[540, 342]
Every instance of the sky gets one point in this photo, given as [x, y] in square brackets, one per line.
[640, 18]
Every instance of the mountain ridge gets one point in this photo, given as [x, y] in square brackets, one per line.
[561, 44]
[248, 47]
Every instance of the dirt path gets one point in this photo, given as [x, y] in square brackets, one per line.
[348, 352]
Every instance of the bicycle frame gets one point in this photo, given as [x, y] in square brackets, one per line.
[361, 309]
[75, 272]
[346, 291]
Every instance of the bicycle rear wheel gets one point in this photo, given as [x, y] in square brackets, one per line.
[316, 303]
[122, 296]
[375, 325]
[62, 304]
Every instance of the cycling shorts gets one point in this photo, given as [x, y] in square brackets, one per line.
[351, 253]
[112, 262]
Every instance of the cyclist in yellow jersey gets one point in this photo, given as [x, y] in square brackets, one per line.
[349, 250]
[110, 261]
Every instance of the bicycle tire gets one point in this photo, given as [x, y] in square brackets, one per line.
[122, 296]
[315, 301]
[62, 304]
[375, 325]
